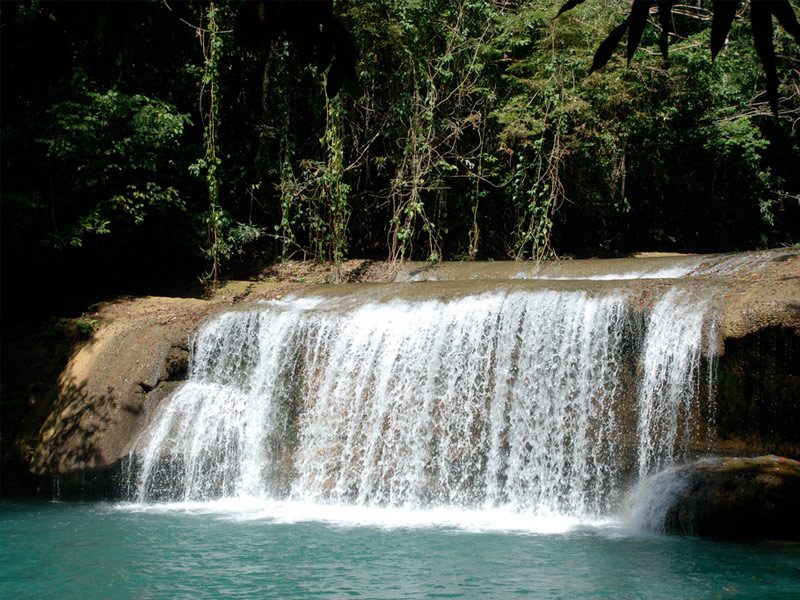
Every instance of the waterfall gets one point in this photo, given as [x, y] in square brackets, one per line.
[549, 401]
[668, 390]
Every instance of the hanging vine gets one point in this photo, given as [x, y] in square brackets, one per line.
[335, 190]
[212, 43]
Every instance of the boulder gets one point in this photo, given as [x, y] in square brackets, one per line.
[746, 498]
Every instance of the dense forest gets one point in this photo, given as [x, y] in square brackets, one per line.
[145, 142]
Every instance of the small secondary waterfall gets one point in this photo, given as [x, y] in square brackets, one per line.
[542, 400]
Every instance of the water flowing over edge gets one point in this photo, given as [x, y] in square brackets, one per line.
[501, 404]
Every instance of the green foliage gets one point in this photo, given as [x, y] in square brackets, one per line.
[330, 230]
[78, 328]
[480, 133]
[472, 133]
[649, 153]
[107, 153]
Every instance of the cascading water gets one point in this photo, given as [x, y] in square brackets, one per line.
[669, 386]
[546, 401]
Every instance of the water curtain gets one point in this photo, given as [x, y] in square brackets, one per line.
[544, 401]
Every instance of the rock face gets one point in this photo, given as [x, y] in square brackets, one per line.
[84, 428]
[76, 438]
[757, 394]
[738, 498]
[104, 395]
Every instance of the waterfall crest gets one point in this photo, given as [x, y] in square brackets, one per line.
[546, 401]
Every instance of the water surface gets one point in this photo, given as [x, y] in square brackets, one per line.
[281, 550]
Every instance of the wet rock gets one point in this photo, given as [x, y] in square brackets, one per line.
[111, 386]
[176, 363]
[77, 434]
[756, 498]
[757, 394]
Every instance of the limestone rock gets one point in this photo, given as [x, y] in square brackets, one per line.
[739, 498]
[105, 393]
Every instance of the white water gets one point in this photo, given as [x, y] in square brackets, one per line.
[499, 520]
[545, 403]
[678, 267]
[672, 272]
[652, 497]
[668, 389]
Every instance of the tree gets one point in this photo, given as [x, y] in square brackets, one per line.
[723, 14]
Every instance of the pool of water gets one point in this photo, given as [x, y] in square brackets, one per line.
[262, 550]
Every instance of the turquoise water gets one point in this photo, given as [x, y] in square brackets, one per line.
[107, 550]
